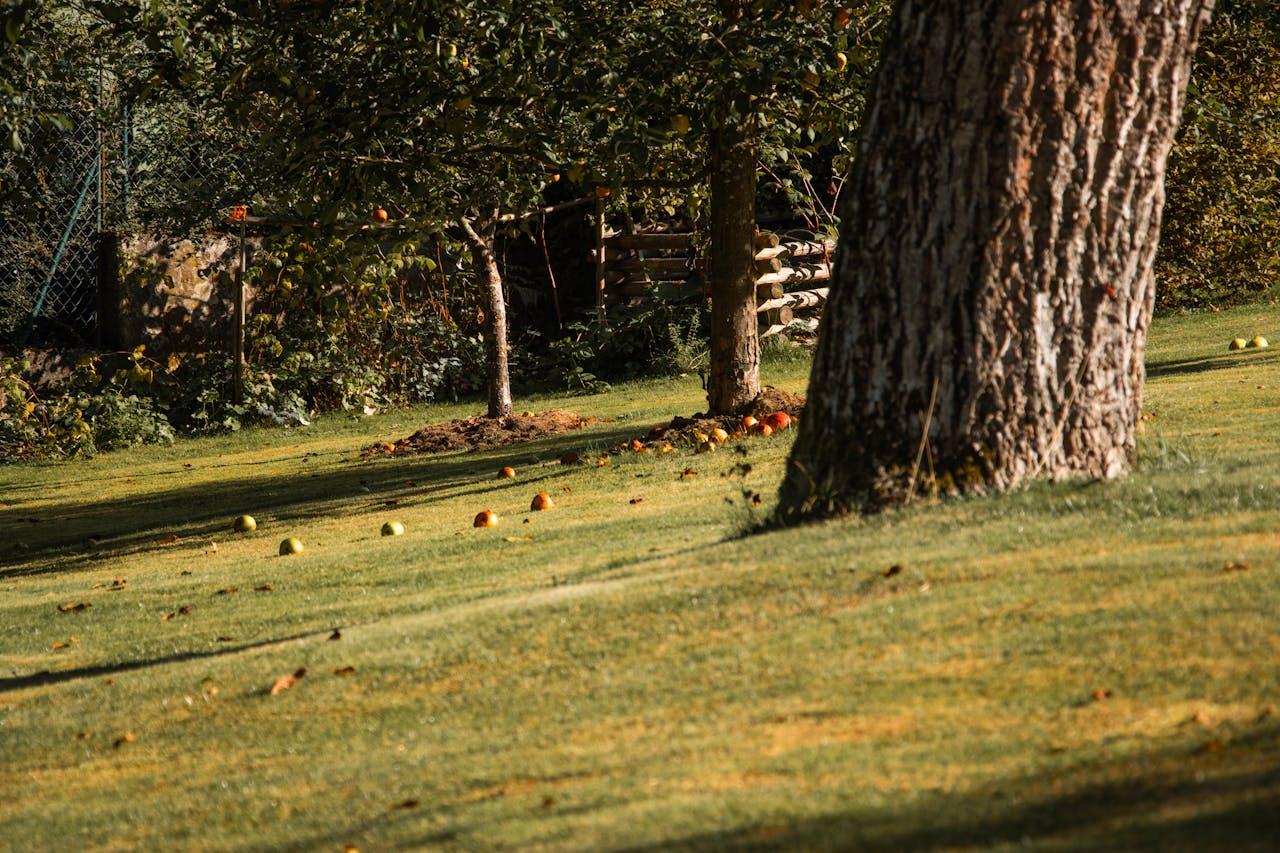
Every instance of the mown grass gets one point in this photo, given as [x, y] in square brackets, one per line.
[1073, 665]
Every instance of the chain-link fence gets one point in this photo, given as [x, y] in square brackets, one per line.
[48, 237]
[110, 168]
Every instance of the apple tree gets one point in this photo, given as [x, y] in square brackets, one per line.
[441, 113]
[734, 83]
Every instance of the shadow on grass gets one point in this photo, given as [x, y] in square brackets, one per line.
[1156, 369]
[45, 677]
[77, 533]
[1226, 798]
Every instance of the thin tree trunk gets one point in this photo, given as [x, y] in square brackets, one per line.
[734, 379]
[994, 276]
[480, 237]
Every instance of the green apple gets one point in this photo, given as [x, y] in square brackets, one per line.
[392, 528]
[290, 546]
[245, 524]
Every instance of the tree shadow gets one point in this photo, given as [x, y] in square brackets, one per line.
[47, 677]
[1217, 797]
[1156, 369]
[75, 534]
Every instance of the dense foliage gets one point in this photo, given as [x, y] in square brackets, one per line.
[1221, 238]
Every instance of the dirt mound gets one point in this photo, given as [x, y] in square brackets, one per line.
[481, 433]
[769, 401]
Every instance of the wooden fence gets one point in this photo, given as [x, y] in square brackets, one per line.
[787, 270]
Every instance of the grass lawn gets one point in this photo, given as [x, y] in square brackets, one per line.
[1070, 666]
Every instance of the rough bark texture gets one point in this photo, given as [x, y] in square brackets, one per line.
[994, 273]
[734, 378]
[489, 281]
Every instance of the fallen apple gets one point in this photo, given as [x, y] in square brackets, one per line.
[778, 420]
[1259, 342]
[540, 502]
[1238, 343]
[392, 528]
[485, 518]
[719, 435]
[245, 524]
[507, 473]
[749, 423]
[289, 546]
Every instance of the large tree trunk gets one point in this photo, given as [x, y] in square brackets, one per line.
[480, 237]
[994, 274]
[734, 378]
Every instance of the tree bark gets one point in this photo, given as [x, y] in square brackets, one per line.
[480, 238]
[993, 284]
[734, 377]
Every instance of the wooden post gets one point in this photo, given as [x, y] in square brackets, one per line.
[600, 259]
[237, 346]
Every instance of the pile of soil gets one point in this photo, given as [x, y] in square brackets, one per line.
[771, 400]
[480, 433]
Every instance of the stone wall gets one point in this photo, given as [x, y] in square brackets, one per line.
[173, 296]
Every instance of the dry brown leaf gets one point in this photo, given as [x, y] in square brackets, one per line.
[1101, 695]
[83, 735]
[266, 587]
[231, 590]
[636, 500]
[345, 670]
[407, 804]
[72, 608]
[127, 737]
[893, 570]
[284, 682]
[524, 538]
[168, 539]
[688, 472]
[60, 645]
[224, 639]
[1232, 566]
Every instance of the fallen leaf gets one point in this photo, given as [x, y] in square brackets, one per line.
[524, 538]
[567, 489]
[167, 539]
[893, 570]
[83, 735]
[570, 458]
[336, 635]
[223, 639]
[71, 608]
[637, 500]
[688, 472]
[411, 482]
[186, 464]
[266, 587]
[231, 590]
[391, 502]
[60, 645]
[345, 670]
[127, 737]
[407, 804]
[284, 682]
[1233, 566]
[1101, 694]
